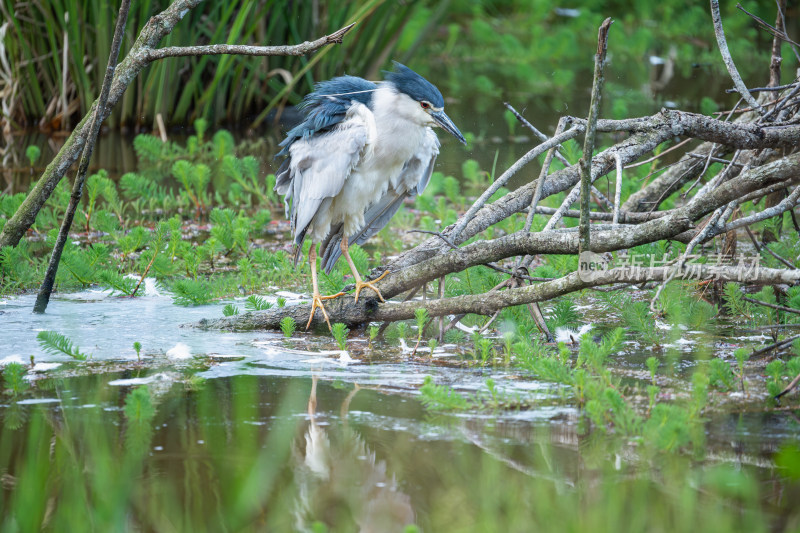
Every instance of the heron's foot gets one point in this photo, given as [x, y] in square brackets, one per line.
[369, 285]
[316, 302]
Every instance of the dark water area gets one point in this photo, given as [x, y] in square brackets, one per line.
[253, 432]
[250, 452]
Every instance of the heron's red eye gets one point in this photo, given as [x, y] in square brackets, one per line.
[425, 105]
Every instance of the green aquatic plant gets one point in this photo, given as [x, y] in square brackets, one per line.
[741, 355]
[116, 282]
[157, 243]
[652, 364]
[682, 306]
[774, 371]
[32, 153]
[139, 405]
[720, 374]
[611, 409]
[595, 355]
[508, 342]
[400, 331]
[475, 177]
[339, 332]
[246, 173]
[421, 317]
[432, 345]
[257, 303]
[56, 344]
[137, 346]
[734, 301]
[699, 396]
[18, 268]
[229, 230]
[528, 349]
[637, 317]
[668, 427]
[14, 381]
[133, 240]
[441, 397]
[564, 314]
[195, 179]
[230, 310]
[652, 393]
[191, 292]
[373, 334]
[288, 326]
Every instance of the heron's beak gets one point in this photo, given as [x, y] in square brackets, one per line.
[447, 124]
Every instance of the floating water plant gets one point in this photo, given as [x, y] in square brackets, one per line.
[440, 397]
[257, 303]
[191, 292]
[57, 344]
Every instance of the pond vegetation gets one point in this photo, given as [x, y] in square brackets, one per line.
[119, 413]
[203, 225]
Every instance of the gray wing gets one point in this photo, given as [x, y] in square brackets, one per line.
[318, 167]
[411, 181]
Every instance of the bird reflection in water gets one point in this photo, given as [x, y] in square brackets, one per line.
[341, 483]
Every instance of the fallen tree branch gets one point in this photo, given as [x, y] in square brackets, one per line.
[351, 313]
[649, 132]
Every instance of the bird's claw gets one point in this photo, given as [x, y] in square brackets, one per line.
[316, 302]
[369, 284]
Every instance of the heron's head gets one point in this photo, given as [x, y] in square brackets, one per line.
[425, 101]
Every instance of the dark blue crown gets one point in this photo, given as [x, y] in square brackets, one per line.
[409, 82]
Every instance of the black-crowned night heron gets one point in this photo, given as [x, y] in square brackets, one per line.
[362, 149]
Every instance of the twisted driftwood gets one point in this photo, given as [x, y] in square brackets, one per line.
[762, 141]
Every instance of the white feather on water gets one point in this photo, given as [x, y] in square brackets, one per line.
[569, 336]
[179, 351]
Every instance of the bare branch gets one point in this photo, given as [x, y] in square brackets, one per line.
[244, 50]
[350, 313]
[503, 179]
[618, 191]
[43, 297]
[591, 130]
[726, 57]
[539, 135]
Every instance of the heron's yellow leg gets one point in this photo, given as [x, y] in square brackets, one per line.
[316, 298]
[360, 284]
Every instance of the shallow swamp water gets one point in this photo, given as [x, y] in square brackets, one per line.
[251, 431]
